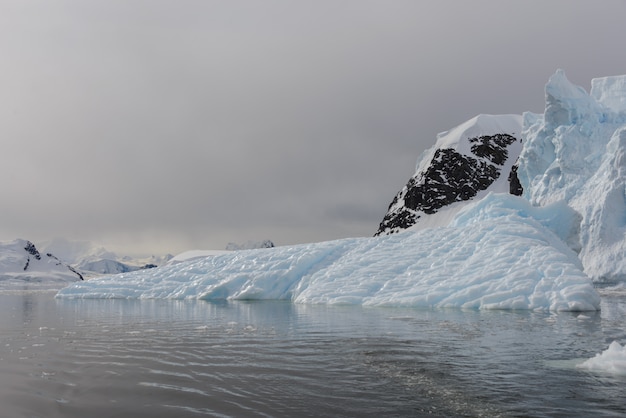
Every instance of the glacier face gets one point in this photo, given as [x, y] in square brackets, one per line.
[575, 153]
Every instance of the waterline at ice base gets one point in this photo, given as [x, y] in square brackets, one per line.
[503, 212]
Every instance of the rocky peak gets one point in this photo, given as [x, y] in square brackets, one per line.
[460, 168]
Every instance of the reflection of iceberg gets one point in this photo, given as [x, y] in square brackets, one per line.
[492, 251]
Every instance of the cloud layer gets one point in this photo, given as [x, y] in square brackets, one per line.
[155, 126]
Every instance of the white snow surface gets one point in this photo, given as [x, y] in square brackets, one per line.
[576, 153]
[507, 260]
[612, 360]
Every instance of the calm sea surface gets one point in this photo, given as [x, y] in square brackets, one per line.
[160, 358]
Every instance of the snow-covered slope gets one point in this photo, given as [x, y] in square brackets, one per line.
[465, 163]
[21, 261]
[576, 153]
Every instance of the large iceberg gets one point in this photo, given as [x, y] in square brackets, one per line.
[467, 244]
[496, 256]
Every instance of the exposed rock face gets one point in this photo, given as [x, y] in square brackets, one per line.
[454, 176]
[32, 250]
[61, 263]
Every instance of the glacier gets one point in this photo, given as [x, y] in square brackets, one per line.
[540, 248]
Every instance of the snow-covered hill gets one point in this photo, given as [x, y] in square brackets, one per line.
[21, 261]
[465, 164]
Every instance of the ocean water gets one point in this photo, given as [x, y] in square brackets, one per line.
[164, 358]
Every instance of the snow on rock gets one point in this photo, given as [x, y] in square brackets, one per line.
[21, 262]
[612, 360]
[505, 260]
[465, 163]
[576, 153]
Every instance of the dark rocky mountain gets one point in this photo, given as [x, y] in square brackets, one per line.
[477, 156]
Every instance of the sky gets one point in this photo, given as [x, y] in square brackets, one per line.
[160, 126]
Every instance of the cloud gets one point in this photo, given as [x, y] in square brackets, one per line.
[176, 125]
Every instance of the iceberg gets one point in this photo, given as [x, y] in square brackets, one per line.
[502, 259]
[612, 360]
[504, 212]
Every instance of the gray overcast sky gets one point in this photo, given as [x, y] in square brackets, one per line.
[153, 126]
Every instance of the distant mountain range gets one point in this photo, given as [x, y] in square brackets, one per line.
[92, 260]
[61, 259]
[20, 260]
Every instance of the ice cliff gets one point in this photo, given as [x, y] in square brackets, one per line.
[576, 153]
